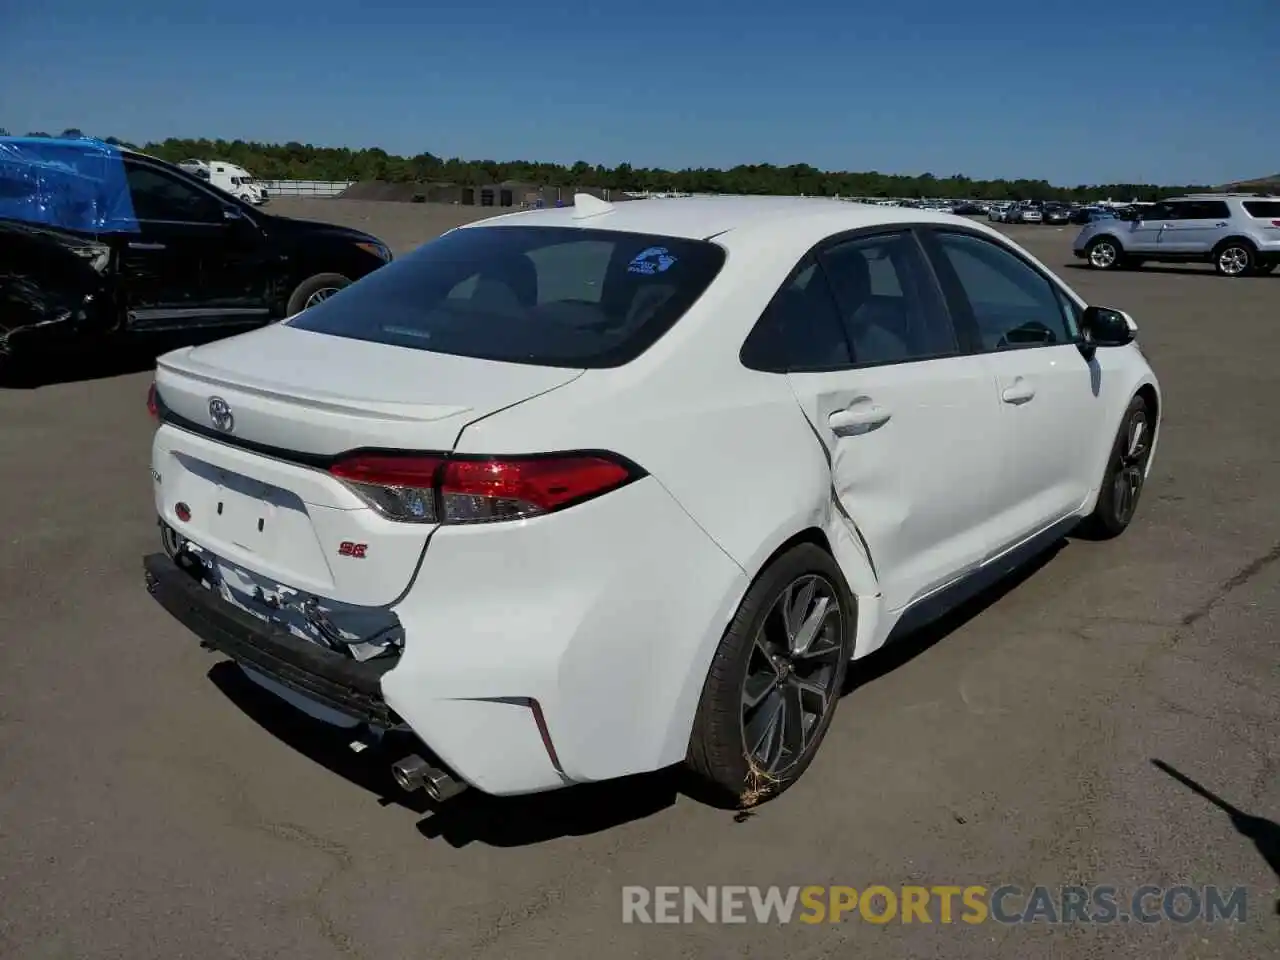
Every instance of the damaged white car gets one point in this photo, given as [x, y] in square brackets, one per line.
[578, 493]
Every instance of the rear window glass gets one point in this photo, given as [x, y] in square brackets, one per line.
[552, 296]
[1263, 209]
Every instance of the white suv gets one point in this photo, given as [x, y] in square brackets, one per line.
[1239, 234]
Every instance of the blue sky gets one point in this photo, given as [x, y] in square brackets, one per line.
[1074, 92]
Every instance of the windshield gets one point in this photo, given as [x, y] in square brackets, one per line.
[552, 296]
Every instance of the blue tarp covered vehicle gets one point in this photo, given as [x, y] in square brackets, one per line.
[69, 184]
[102, 245]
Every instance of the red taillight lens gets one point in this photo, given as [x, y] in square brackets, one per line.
[479, 490]
[400, 488]
[153, 407]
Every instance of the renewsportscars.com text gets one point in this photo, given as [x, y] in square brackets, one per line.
[971, 904]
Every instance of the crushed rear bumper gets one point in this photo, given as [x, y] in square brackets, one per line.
[329, 678]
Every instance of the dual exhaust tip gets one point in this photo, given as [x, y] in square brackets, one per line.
[413, 773]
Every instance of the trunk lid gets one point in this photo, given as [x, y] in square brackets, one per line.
[249, 484]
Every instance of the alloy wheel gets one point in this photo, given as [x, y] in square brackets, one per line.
[1102, 255]
[1233, 261]
[1128, 479]
[324, 293]
[787, 690]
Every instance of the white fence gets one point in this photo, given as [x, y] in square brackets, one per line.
[305, 188]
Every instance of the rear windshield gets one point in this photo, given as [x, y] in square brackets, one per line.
[1263, 209]
[551, 296]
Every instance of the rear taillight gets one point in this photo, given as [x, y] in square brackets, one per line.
[469, 489]
[401, 488]
[153, 405]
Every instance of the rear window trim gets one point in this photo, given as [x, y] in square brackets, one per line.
[639, 342]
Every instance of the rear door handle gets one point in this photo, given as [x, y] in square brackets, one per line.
[146, 246]
[858, 418]
[1020, 391]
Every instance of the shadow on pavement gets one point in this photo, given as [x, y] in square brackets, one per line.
[1203, 270]
[469, 818]
[1264, 833]
[906, 647]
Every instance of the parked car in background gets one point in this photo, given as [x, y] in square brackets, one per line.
[574, 494]
[1238, 233]
[98, 242]
[1025, 213]
[999, 212]
[1083, 215]
[1057, 214]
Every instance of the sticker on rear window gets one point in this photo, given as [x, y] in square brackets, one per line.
[651, 261]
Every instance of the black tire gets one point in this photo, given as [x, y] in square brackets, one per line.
[1235, 258]
[780, 686]
[1125, 474]
[312, 286]
[1104, 253]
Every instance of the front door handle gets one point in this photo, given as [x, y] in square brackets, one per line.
[1020, 391]
[146, 246]
[858, 418]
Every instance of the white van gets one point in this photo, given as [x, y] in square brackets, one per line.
[228, 177]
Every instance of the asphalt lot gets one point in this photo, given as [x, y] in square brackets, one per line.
[153, 805]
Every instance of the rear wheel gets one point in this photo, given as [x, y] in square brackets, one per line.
[315, 290]
[1125, 474]
[1235, 258]
[775, 679]
[1104, 254]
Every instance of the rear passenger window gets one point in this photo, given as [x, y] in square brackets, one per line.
[800, 329]
[1263, 209]
[1205, 210]
[1012, 304]
[887, 300]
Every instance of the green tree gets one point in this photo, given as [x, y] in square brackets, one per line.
[304, 161]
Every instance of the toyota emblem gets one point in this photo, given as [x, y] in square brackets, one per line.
[220, 415]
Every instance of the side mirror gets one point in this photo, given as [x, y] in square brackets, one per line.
[1105, 327]
[230, 213]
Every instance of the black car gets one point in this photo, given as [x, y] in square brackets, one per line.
[97, 241]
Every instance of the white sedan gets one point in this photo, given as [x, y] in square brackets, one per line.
[571, 494]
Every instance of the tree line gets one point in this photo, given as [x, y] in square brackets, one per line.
[303, 161]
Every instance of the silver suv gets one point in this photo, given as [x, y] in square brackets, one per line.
[1238, 233]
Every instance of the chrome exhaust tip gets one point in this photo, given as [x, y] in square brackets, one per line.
[413, 773]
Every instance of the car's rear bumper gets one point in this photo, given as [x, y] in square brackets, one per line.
[564, 649]
[322, 676]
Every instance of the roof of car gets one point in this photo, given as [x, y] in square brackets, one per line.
[701, 218]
